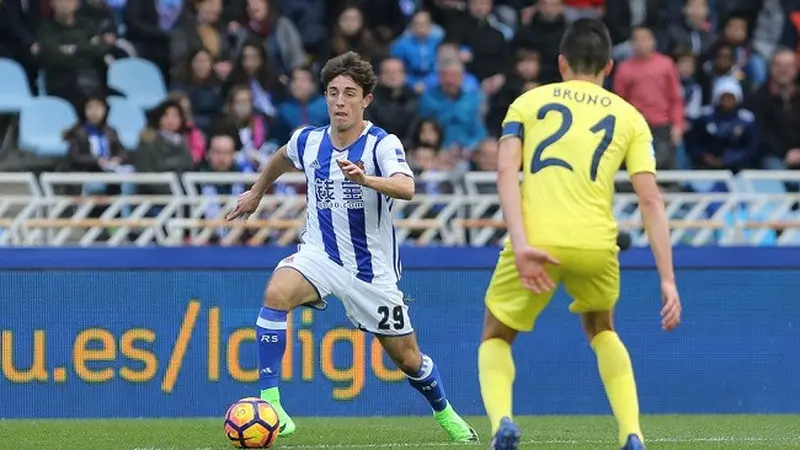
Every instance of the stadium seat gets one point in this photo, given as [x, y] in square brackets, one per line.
[139, 80]
[42, 124]
[128, 119]
[16, 92]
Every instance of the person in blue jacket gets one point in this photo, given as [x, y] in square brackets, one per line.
[725, 135]
[417, 49]
[456, 110]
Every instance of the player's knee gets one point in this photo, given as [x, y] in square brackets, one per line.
[278, 296]
[595, 323]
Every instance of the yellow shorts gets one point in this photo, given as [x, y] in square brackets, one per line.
[590, 277]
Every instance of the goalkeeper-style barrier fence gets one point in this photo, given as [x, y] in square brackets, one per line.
[169, 332]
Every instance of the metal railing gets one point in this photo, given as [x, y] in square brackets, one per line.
[60, 209]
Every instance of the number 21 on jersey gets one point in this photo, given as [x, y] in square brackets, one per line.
[605, 125]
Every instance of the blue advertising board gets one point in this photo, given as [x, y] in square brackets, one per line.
[169, 332]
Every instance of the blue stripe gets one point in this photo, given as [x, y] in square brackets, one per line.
[325, 215]
[395, 254]
[513, 129]
[378, 174]
[301, 146]
[358, 223]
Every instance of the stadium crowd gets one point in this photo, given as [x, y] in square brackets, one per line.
[716, 80]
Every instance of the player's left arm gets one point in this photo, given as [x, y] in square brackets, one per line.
[394, 177]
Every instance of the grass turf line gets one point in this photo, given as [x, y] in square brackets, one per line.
[408, 433]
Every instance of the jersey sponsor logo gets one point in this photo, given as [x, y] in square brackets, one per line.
[325, 192]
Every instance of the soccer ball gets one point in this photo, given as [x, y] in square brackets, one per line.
[251, 423]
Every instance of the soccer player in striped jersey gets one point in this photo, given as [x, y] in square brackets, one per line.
[355, 170]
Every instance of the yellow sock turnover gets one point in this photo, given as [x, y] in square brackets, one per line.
[617, 374]
[496, 373]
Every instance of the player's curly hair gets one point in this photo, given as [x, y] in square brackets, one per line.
[353, 66]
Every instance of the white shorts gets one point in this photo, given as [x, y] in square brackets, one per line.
[376, 308]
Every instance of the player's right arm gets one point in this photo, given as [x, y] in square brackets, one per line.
[284, 160]
[641, 166]
[528, 259]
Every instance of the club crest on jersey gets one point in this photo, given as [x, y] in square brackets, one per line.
[360, 165]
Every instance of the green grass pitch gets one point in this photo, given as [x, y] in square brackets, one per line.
[540, 433]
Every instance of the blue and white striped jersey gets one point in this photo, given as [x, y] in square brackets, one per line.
[350, 223]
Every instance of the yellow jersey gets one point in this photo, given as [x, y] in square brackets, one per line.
[575, 136]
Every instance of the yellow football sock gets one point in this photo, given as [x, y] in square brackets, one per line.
[496, 373]
[617, 374]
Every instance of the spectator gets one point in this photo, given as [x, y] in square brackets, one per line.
[426, 133]
[148, 24]
[524, 77]
[203, 88]
[693, 33]
[201, 29]
[686, 63]
[485, 158]
[417, 49]
[309, 18]
[162, 147]
[649, 81]
[19, 21]
[93, 145]
[620, 17]
[446, 51]
[254, 69]
[304, 107]
[104, 21]
[777, 109]
[221, 158]
[457, 111]
[195, 139]
[388, 18]
[485, 44]
[790, 36]
[542, 33]
[578, 9]
[350, 34]
[71, 53]
[768, 28]
[394, 105]
[722, 65]
[753, 65]
[251, 129]
[725, 136]
[263, 22]
[423, 159]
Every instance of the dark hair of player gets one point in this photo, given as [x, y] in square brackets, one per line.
[352, 66]
[586, 46]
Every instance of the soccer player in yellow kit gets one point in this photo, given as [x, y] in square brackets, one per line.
[570, 139]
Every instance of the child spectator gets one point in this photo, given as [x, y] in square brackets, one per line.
[195, 139]
[725, 136]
